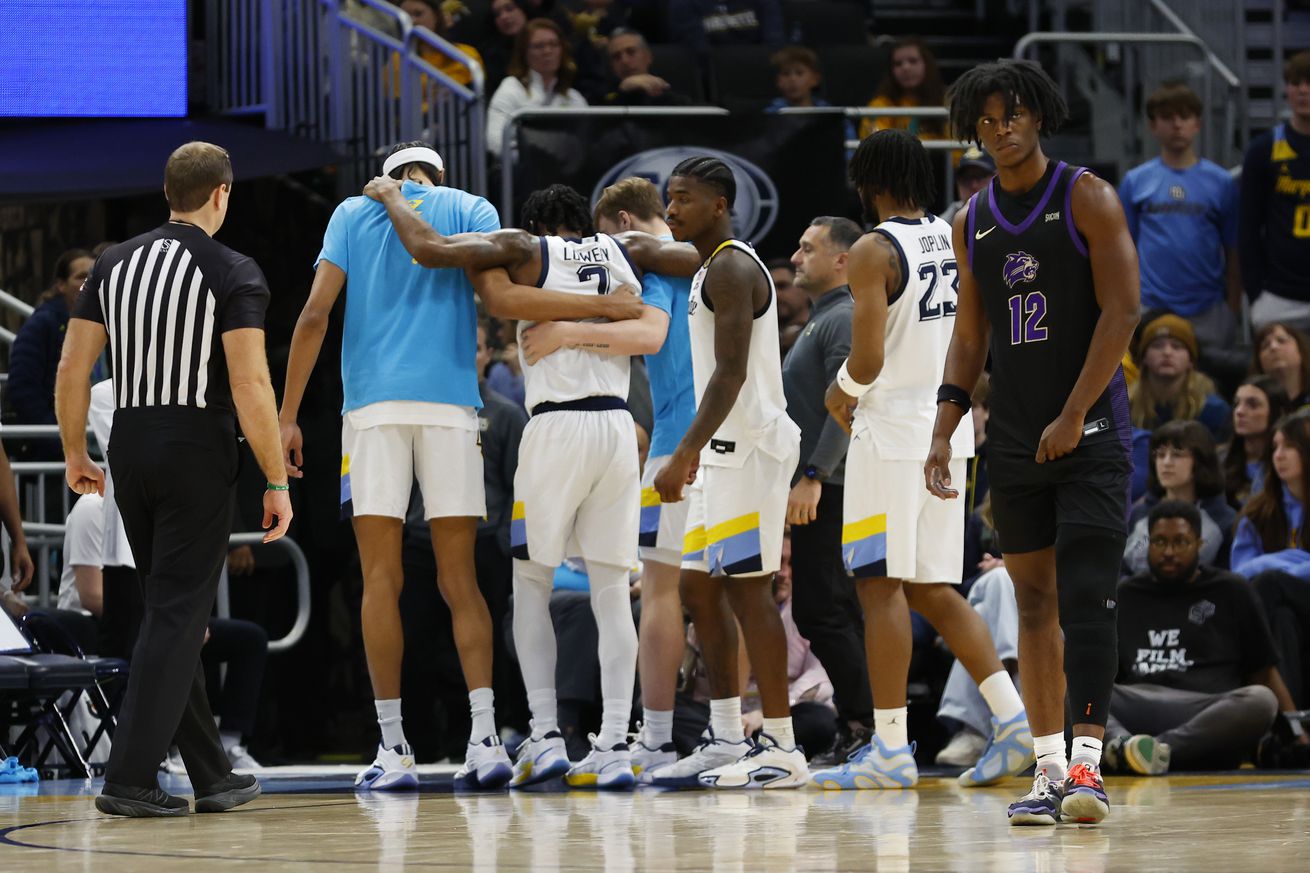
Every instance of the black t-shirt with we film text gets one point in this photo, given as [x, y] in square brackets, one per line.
[166, 298]
[1209, 635]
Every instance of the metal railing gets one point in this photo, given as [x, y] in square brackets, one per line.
[46, 538]
[319, 70]
[16, 305]
[1188, 40]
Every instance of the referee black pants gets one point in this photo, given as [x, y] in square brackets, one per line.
[174, 472]
[827, 609]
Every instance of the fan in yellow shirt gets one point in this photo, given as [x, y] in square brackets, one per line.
[913, 80]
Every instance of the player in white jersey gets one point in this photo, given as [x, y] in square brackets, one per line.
[905, 548]
[746, 449]
[577, 488]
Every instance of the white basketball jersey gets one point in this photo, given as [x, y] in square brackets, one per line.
[761, 403]
[595, 265]
[900, 409]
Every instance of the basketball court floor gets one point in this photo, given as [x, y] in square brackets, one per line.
[1244, 821]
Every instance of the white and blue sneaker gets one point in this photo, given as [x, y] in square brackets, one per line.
[767, 765]
[392, 770]
[486, 765]
[603, 769]
[874, 766]
[1008, 753]
[645, 758]
[710, 754]
[540, 759]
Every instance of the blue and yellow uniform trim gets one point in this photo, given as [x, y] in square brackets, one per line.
[347, 504]
[864, 547]
[649, 530]
[518, 532]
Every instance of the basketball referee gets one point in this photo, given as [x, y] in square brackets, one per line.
[183, 317]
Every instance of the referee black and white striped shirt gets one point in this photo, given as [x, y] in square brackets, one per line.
[165, 299]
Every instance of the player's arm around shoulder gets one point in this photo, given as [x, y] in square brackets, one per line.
[660, 255]
[637, 336]
[874, 272]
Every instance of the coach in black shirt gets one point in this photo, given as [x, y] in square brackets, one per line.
[1198, 678]
[183, 318]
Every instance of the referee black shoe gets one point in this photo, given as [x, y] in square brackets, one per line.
[129, 800]
[228, 794]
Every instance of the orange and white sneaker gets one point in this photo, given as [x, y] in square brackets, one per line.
[1084, 796]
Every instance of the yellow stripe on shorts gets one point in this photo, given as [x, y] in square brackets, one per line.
[740, 524]
[649, 497]
[868, 527]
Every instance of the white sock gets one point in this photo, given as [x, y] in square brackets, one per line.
[534, 641]
[229, 738]
[1086, 750]
[725, 719]
[393, 732]
[1002, 697]
[545, 718]
[891, 725]
[611, 604]
[1050, 756]
[482, 706]
[781, 731]
[656, 727]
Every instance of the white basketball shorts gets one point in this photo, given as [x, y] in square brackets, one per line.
[577, 490]
[663, 525]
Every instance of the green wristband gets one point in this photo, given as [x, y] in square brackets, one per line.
[271, 487]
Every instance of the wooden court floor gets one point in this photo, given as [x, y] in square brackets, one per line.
[1244, 821]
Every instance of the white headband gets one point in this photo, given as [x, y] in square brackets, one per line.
[415, 155]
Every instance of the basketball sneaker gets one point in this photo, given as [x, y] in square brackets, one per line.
[767, 765]
[392, 770]
[1041, 805]
[486, 765]
[1008, 753]
[1140, 753]
[685, 773]
[603, 769]
[540, 759]
[874, 766]
[964, 750]
[645, 758]
[1084, 796]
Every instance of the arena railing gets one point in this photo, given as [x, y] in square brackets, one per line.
[946, 148]
[1224, 149]
[10, 303]
[45, 538]
[354, 78]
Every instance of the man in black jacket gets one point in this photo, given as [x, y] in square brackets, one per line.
[1198, 677]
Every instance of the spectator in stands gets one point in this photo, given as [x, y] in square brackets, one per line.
[633, 83]
[972, 172]
[1182, 212]
[35, 353]
[429, 14]
[706, 24]
[505, 373]
[799, 78]
[241, 645]
[20, 563]
[1259, 403]
[1269, 548]
[541, 73]
[1198, 677]
[1283, 352]
[913, 80]
[508, 18]
[1184, 467]
[1274, 232]
[793, 303]
[1170, 387]
[431, 666]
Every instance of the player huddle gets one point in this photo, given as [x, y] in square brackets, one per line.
[931, 301]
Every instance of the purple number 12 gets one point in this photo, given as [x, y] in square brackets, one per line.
[1026, 314]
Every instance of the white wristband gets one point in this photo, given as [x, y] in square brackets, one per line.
[849, 385]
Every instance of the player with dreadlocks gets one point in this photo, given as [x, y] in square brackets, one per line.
[746, 449]
[905, 549]
[577, 490]
[1048, 272]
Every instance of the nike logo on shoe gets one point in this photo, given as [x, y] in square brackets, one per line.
[979, 234]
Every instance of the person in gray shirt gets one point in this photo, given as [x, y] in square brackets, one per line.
[824, 603]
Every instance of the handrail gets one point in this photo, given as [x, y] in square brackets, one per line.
[1214, 60]
[16, 304]
[303, 602]
[512, 128]
[30, 431]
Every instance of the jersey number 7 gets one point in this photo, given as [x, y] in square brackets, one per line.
[597, 272]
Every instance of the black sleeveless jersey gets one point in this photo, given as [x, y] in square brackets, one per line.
[1035, 279]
